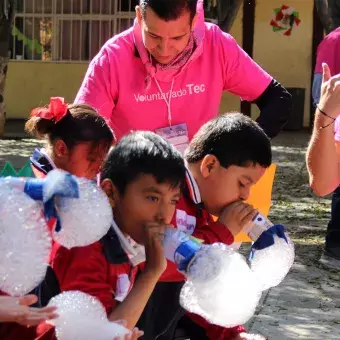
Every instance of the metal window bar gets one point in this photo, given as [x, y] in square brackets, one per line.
[55, 32]
[115, 10]
[90, 31]
[119, 16]
[24, 31]
[81, 48]
[14, 41]
[33, 23]
[42, 24]
[60, 40]
[71, 31]
[111, 20]
[100, 23]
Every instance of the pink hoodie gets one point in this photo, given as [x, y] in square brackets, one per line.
[129, 91]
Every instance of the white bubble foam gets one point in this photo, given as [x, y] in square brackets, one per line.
[25, 243]
[84, 220]
[271, 265]
[83, 317]
[220, 287]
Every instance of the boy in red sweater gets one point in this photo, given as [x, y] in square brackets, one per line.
[226, 157]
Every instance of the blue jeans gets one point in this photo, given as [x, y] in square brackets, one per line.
[333, 229]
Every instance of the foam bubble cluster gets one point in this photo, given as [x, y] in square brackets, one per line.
[271, 265]
[220, 287]
[25, 238]
[25, 243]
[84, 220]
[83, 317]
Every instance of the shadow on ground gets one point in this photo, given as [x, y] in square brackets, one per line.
[306, 305]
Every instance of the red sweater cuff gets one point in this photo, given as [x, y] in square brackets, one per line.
[222, 232]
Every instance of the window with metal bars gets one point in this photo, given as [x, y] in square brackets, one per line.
[67, 30]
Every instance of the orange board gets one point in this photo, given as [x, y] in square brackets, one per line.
[260, 197]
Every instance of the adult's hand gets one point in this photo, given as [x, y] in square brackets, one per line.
[330, 93]
[322, 159]
[13, 309]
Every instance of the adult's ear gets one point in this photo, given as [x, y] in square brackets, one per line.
[194, 21]
[139, 15]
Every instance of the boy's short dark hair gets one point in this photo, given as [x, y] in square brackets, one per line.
[169, 9]
[143, 153]
[234, 139]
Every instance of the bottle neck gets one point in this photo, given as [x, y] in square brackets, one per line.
[258, 225]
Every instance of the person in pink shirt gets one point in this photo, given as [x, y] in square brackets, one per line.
[329, 52]
[167, 74]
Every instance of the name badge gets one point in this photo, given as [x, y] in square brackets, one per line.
[177, 135]
[122, 287]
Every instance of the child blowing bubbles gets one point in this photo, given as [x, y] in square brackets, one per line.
[226, 157]
[142, 177]
[78, 139]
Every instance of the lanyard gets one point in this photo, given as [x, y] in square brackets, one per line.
[167, 101]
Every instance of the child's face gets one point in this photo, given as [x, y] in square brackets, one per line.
[84, 160]
[143, 201]
[220, 186]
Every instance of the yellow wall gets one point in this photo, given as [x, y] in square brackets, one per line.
[288, 59]
[30, 84]
[230, 102]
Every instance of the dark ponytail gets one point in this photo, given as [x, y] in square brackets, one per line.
[81, 123]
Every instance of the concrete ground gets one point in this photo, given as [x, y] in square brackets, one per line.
[307, 304]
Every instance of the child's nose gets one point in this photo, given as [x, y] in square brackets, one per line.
[164, 215]
[244, 194]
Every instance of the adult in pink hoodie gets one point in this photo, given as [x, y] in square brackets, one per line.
[172, 68]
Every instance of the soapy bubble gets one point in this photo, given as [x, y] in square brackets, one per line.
[84, 220]
[271, 265]
[25, 242]
[220, 287]
[83, 317]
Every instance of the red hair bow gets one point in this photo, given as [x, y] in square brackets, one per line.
[55, 111]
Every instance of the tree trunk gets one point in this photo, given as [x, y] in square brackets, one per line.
[6, 19]
[227, 12]
[329, 13]
[334, 9]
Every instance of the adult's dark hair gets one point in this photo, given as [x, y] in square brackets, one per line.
[141, 153]
[169, 9]
[234, 139]
[81, 124]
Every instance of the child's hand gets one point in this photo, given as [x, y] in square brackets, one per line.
[236, 216]
[13, 309]
[247, 336]
[155, 259]
[134, 335]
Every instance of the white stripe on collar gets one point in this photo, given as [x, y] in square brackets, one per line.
[194, 191]
[133, 250]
